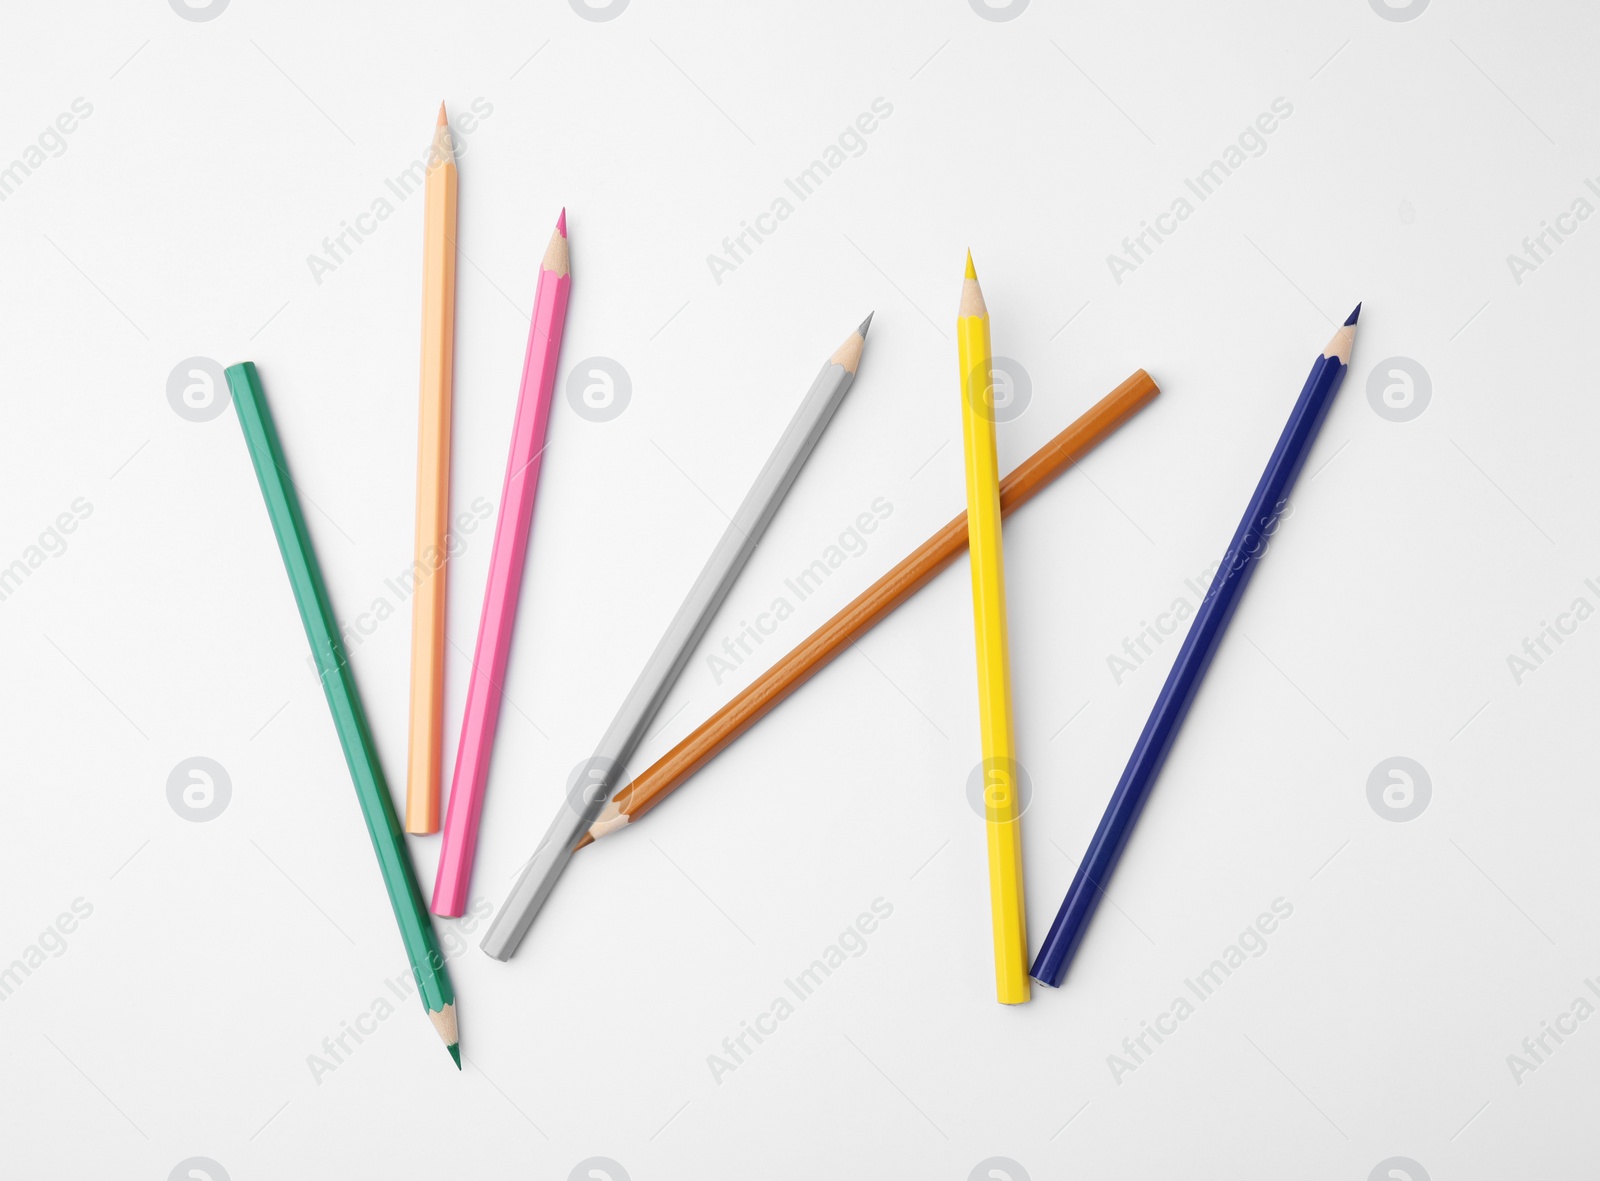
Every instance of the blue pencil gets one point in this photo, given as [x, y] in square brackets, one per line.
[1249, 543]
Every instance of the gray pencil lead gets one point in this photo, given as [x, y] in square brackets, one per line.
[863, 329]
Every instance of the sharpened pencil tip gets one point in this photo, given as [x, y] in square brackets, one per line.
[455, 1052]
[442, 119]
[849, 353]
[971, 294]
[1343, 341]
[556, 257]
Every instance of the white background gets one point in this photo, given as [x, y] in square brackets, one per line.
[179, 1020]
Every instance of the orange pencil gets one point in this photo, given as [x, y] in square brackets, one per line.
[915, 571]
[433, 483]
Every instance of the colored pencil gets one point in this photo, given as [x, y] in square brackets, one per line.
[1002, 815]
[349, 719]
[919, 568]
[506, 559]
[760, 504]
[433, 483]
[1211, 620]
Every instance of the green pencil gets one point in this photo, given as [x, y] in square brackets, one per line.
[311, 596]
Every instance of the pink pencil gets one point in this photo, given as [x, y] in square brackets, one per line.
[505, 579]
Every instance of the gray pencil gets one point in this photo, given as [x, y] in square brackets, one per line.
[599, 775]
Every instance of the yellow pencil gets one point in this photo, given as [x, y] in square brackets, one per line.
[433, 483]
[1000, 776]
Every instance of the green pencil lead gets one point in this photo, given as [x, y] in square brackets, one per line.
[455, 1052]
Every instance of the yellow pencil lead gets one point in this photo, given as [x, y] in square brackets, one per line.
[971, 274]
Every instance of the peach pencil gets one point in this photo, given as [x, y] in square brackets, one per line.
[433, 483]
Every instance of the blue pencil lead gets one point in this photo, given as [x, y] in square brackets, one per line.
[1355, 315]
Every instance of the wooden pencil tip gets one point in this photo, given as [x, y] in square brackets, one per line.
[1343, 342]
[556, 257]
[971, 294]
[443, 151]
[444, 1020]
[849, 353]
[611, 818]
